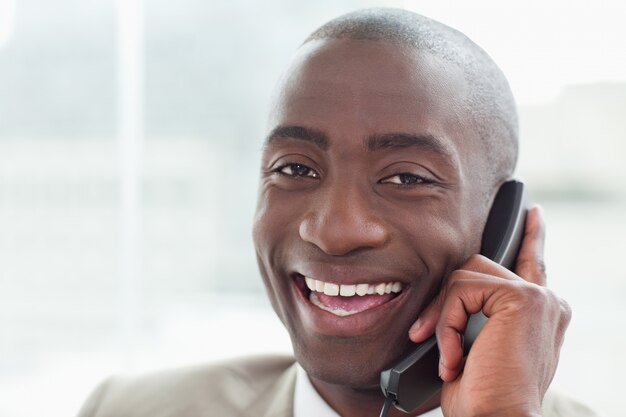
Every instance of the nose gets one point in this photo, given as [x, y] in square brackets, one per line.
[342, 221]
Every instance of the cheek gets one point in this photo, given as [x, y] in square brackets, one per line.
[265, 221]
[269, 236]
[438, 235]
[270, 289]
[270, 221]
[265, 234]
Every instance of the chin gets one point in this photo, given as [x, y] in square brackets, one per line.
[356, 363]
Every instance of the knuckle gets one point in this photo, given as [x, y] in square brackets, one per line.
[565, 312]
[457, 284]
[561, 322]
[535, 294]
[540, 266]
[553, 306]
[529, 297]
[455, 277]
[475, 261]
[535, 266]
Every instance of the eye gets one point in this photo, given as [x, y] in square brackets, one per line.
[405, 179]
[296, 170]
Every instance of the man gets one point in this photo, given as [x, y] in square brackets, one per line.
[389, 137]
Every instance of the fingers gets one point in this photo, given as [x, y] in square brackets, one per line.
[530, 263]
[425, 324]
[465, 293]
[465, 297]
[448, 337]
[484, 265]
[448, 313]
[476, 267]
[450, 342]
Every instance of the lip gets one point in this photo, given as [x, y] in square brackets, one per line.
[372, 321]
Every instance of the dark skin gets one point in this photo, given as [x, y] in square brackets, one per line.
[373, 172]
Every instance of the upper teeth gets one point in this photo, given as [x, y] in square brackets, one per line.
[344, 290]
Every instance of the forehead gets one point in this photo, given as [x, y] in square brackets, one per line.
[373, 86]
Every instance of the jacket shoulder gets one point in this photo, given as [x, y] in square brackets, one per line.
[229, 388]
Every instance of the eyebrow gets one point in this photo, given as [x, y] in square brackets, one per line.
[317, 137]
[376, 142]
[406, 140]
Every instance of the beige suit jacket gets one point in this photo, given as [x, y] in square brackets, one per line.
[251, 387]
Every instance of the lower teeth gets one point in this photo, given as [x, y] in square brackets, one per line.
[338, 312]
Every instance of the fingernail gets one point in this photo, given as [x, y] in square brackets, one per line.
[540, 210]
[416, 326]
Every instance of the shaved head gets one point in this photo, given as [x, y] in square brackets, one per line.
[489, 104]
[387, 139]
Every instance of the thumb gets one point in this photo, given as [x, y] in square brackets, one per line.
[530, 263]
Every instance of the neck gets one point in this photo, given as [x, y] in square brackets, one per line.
[351, 402]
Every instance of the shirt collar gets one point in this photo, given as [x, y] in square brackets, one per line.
[308, 403]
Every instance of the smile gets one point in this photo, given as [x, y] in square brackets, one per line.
[349, 299]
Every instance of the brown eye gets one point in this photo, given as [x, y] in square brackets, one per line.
[296, 170]
[405, 179]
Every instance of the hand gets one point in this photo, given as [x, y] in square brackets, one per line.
[514, 357]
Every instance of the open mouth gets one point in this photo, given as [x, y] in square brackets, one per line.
[347, 299]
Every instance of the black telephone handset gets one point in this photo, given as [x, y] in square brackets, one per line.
[414, 380]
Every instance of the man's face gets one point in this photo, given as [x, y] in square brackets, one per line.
[369, 198]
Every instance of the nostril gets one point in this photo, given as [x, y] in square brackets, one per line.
[339, 234]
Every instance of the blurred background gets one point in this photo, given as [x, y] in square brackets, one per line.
[129, 138]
